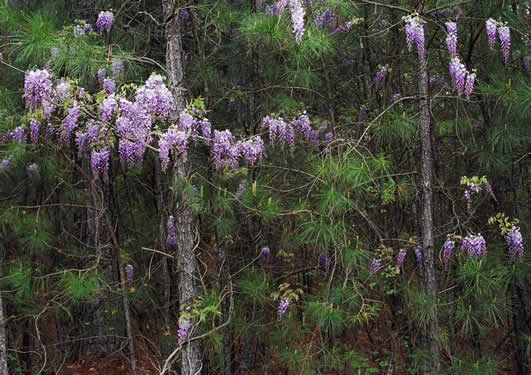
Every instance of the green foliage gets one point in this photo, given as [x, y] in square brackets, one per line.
[327, 317]
[81, 287]
[255, 284]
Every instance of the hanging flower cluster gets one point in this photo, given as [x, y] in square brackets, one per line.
[418, 253]
[415, 33]
[297, 17]
[37, 88]
[504, 34]
[474, 245]
[324, 262]
[448, 248]
[129, 271]
[515, 243]
[99, 162]
[380, 76]
[34, 130]
[265, 253]
[462, 80]
[451, 39]
[184, 329]
[376, 264]
[283, 306]
[326, 18]
[401, 257]
[277, 9]
[171, 239]
[105, 21]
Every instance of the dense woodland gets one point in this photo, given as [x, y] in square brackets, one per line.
[255, 187]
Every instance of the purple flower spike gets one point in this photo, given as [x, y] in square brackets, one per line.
[448, 247]
[458, 74]
[171, 240]
[469, 84]
[380, 76]
[376, 264]
[184, 328]
[418, 253]
[401, 257]
[504, 34]
[99, 161]
[297, 17]
[265, 253]
[34, 130]
[283, 306]
[324, 262]
[491, 27]
[105, 21]
[474, 246]
[129, 271]
[515, 243]
[415, 33]
[451, 39]
[109, 86]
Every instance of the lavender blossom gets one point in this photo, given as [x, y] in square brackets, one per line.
[297, 17]
[171, 240]
[171, 140]
[418, 253]
[380, 76]
[448, 247]
[302, 125]
[469, 85]
[79, 31]
[395, 97]
[206, 129]
[34, 130]
[491, 26]
[155, 98]
[37, 88]
[326, 18]
[515, 243]
[69, 123]
[283, 306]
[364, 110]
[108, 107]
[329, 137]
[109, 86]
[105, 21]
[18, 134]
[251, 150]
[265, 253]
[376, 264]
[99, 161]
[62, 91]
[504, 34]
[81, 140]
[184, 328]
[345, 28]
[224, 151]
[101, 75]
[277, 9]
[415, 33]
[129, 271]
[5, 165]
[474, 246]
[279, 129]
[451, 39]
[117, 67]
[458, 74]
[401, 257]
[55, 52]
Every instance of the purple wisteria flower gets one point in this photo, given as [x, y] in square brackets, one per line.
[376, 264]
[326, 18]
[101, 75]
[504, 34]
[34, 130]
[109, 86]
[302, 125]
[324, 262]
[251, 150]
[344, 28]
[69, 123]
[265, 253]
[515, 243]
[108, 106]
[99, 161]
[418, 253]
[458, 73]
[469, 84]
[283, 306]
[184, 328]
[155, 98]
[401, 257]
[451, 39]
[173, 139]
[491, 27]
[105, 21]
[364, 110]
[117, 67]
[206, 129]
[474, 246]
[81, 140]
[297, 17]
[37, 88]
[380, 76]
[224, 152]
[62, 91]
[18, 134]
[129, 271]
[277, 9]
[395, 97]
[415, 33]
[329, 137]
[171, 240]
[279, 129]
[5, 165]
[448, 248]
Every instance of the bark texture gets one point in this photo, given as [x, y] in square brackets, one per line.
[3, 337]
[430, 282]
[180, 207]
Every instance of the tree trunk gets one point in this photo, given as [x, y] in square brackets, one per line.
[3, 337]
[181, 210]
[430, 335]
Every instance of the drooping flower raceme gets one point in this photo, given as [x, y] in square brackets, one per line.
[491, 27]
[117, 67]
[99, 161]
[297, 17]
[224, 150]
[277, 8]
[458, 74]
[418, 253]
[171, 240]
[108, 107]
[380, 75]
[504, 34]
[515, 243]
[251, 150]
[184, 328]
[415, 33]
[101, 75]
[173, 139]
[279, 129]
[109, 85]
[155, 98]
[37, 88]
[451, 39]
[283, 306]
[326, 18]
[34, 130]
[70, 122]
[129, 271]
[105, 21]
[469, 84]
[401, 257]
[474, 246]
[448, 247]
[376, 264]
[265, 253]
[324, 262]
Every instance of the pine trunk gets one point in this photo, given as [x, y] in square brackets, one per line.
[3, 336]
[430, 283]
[181, 210]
